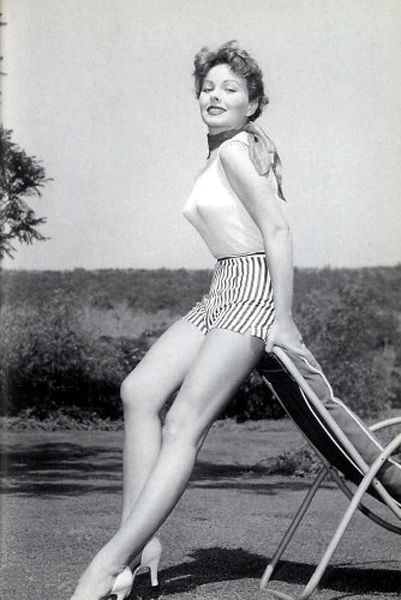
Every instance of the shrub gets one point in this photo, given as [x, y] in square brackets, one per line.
[253, 401]
[48, 363]
[352, 337]
[64, 418]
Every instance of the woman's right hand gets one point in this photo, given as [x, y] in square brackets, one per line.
[285, 334]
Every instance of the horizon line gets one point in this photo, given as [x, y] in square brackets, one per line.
[296, 267]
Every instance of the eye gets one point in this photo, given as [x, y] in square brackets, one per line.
[230, 88]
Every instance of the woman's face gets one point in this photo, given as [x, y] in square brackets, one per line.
[224, 101]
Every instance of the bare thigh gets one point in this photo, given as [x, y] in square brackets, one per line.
[165, 365]
[222, 363]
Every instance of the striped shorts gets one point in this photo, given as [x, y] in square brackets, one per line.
[240, 297]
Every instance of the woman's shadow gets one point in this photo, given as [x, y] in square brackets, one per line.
[214, 565]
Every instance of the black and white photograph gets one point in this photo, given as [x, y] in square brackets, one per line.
[200, 284]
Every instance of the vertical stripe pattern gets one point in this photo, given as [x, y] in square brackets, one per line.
[240, 298]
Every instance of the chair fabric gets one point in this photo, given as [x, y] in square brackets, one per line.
[293, 400]
[343, 443]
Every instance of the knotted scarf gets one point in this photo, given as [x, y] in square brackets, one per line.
[262, 150]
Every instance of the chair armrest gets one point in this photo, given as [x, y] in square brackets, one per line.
[385, 423]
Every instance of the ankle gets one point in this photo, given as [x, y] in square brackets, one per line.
[105, 563]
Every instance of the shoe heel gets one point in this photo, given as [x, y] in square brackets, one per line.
[153, 571]
[150, 559]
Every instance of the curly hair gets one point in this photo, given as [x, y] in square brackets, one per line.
[240, 62]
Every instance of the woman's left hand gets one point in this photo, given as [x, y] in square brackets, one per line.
[284, 333]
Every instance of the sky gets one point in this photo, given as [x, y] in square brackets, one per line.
[102, 93]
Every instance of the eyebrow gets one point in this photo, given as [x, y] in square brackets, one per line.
[225, 81]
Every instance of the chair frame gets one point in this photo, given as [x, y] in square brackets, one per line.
[368, 481]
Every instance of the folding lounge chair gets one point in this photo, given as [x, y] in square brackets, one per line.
[339, 456]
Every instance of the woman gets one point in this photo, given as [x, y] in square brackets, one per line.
[236, 207]
[208, 353]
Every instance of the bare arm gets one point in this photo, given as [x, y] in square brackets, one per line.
[258, 195]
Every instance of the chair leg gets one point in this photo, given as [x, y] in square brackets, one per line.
[292, 528]
[362, 507]
[363, 486]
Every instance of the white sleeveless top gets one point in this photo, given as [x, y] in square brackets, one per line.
[218, 214]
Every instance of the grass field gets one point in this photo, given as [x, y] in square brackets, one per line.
[60, 499]
[61, 490]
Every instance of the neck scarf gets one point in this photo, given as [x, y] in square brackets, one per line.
[262, 151]
[215, 140]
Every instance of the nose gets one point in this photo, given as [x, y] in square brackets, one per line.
[215, 95]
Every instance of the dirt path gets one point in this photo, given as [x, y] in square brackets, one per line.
[61, 498]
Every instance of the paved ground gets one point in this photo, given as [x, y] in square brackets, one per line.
[61, 496]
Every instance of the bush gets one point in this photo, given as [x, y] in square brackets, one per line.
[60, 419]
[254, 400]
[353, 338]
[48, 363]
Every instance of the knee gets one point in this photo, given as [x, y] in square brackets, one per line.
[133, 394]
[182, 427]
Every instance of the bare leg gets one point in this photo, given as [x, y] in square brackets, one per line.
[221, 365]
[143, 393]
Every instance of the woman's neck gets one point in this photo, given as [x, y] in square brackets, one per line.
[214, 140]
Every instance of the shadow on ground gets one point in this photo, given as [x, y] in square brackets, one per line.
[59, 469]
[216, 565]
[67, 469]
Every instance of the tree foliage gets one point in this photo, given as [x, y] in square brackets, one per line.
[21, 177]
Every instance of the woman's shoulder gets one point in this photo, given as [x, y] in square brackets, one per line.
[224, 149]
[235, 151]
[241, 136]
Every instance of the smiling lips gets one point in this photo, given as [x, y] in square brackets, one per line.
[215, 110]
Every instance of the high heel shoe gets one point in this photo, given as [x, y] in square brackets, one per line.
[150, 559]
[122, 585]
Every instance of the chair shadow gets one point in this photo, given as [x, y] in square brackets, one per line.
[215, 565]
